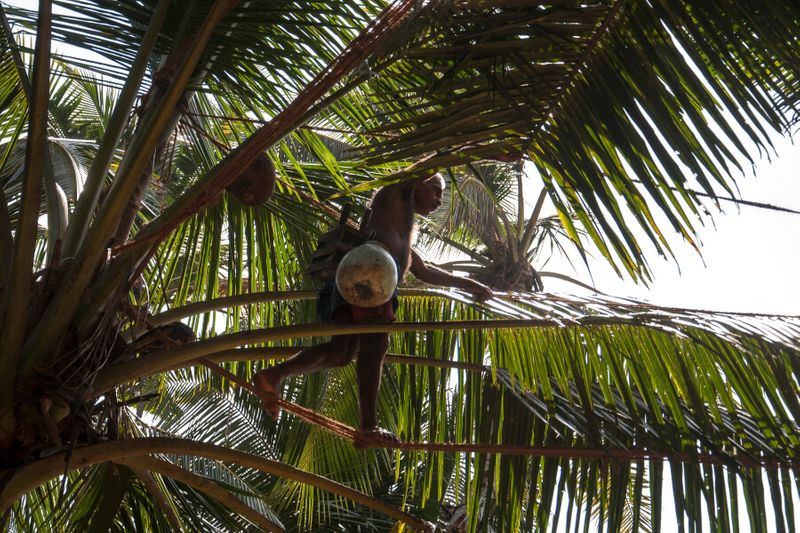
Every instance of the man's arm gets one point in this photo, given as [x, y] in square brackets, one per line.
[437, 276]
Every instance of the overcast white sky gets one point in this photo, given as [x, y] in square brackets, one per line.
[751, 255]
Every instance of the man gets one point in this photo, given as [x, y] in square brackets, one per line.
[392, 221]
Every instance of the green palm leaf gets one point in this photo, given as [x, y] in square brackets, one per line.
[595, 100]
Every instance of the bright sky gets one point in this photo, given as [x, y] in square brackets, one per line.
[752, 256]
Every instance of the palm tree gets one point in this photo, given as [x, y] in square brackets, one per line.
[528, 412]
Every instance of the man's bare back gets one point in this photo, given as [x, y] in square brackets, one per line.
[392, 221]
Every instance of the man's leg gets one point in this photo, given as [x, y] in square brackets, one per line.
[372, 350]
[339, 351]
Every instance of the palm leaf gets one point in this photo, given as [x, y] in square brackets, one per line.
[477, 81]
[598, 379]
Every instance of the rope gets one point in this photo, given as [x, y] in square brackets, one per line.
[357, 438]
[312, 417]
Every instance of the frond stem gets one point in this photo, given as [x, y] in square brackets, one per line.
[149, 482]
[48, 332]
[527, 235]
[55, 223]
[119, 119]
[14, 306]
[28, 477]
[346, 432]
[145, 465]
[158, 361]
[277, 353]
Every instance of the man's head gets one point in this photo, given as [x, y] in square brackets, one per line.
[428, 194]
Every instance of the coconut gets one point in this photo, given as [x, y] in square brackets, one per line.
[367, 275]
[256, 183]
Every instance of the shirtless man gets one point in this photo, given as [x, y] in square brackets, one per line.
[393, 210]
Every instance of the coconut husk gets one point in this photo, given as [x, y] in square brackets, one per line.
[256, 183]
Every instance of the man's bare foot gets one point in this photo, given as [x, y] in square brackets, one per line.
[264, 382]
[376, 437]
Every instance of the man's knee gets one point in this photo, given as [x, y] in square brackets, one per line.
[377, 343]
[383, 342]
[342, 350]
[372, 350]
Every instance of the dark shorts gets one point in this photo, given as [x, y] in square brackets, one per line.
[329, 300]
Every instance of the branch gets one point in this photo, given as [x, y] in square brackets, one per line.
[28, 477]
[215, 304]
[149, 464]
[274, 353]
[16, 295]
[154, 362]
[224, 302]
[535, 299]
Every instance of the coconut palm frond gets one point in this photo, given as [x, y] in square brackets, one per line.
[597, 95]
[576, 385]
[646, 381]
[74, 120]
[288, 43]
[469, 213]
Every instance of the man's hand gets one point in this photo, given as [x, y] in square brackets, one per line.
[436, 276]
[479, 291]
